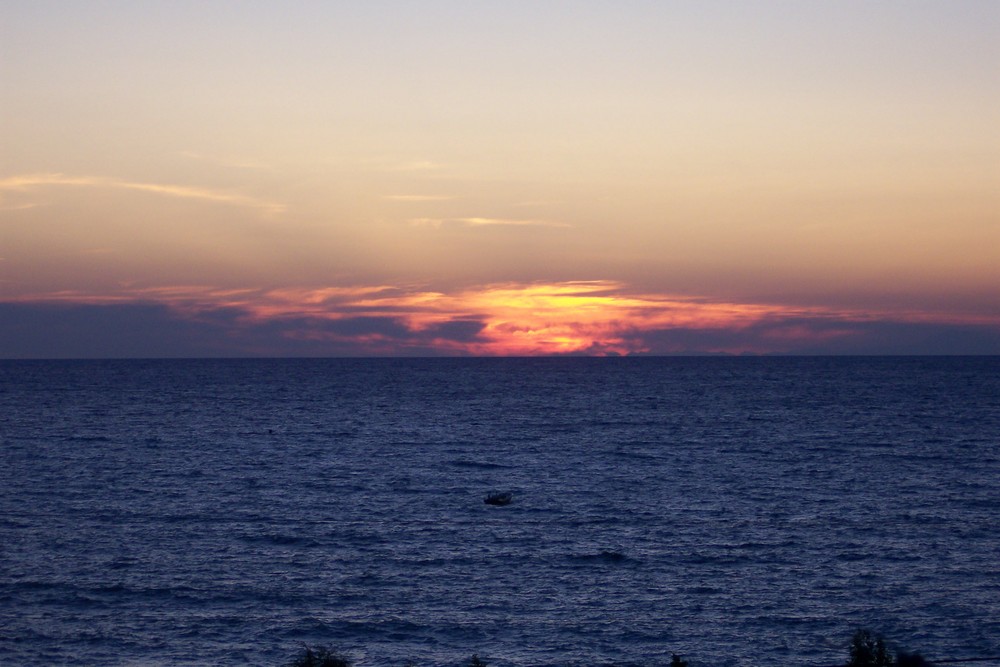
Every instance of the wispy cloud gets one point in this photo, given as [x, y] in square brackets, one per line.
[30, 181]
[484, 222]
[23, 206]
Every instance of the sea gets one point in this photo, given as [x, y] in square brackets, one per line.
[735, 511]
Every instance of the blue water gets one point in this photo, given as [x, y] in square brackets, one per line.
[751, 511]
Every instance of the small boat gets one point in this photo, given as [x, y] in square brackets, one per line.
[499, 498]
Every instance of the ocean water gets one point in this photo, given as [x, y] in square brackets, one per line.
[737, 511]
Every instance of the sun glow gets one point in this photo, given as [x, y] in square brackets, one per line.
[597, 318]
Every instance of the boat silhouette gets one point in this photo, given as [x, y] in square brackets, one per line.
[499, 498]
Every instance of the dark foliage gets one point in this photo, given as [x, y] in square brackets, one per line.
[319, 657]
[910, 660]
[868, 651]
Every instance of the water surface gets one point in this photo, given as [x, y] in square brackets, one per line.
[737, 511]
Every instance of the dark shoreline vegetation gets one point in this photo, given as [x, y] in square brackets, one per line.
[866, 650]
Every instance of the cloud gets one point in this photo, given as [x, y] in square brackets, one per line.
[30, 181]
[567, 318]
[86, 330]
[460, 331]
[19, 207]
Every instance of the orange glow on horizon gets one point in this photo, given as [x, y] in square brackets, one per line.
[582, 317]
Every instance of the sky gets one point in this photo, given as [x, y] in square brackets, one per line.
[192, 179]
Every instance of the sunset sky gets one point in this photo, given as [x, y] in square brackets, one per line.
[499, 178]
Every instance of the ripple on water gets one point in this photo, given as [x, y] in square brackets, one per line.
[734, 511]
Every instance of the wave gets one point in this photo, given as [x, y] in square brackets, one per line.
[605, 556]
[281, 539]
[477, 465]
[87, 438]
